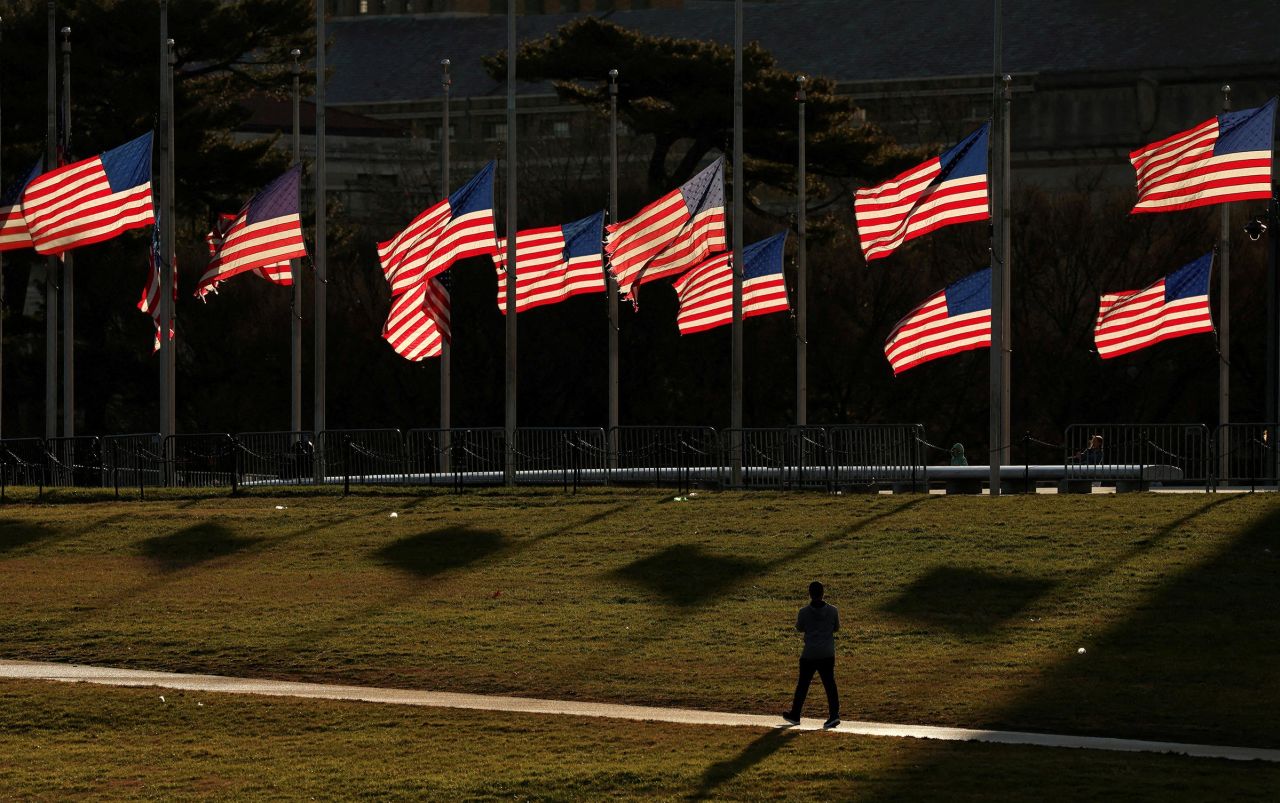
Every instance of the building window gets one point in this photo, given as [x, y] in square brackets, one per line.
[496, 131]
[364, 6]
[560, 129]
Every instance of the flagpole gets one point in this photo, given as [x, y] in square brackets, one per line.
[160, 195]
[802, 269]
[295, 268]
[510, 473]
[446, 347]
[735, 415]
[998, 449]
[168, 264]
[2, 293]
[322, 273]
[610, 282]
[68, 269]
[1224, 308]
[51, 263]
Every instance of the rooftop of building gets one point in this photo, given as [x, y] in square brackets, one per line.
[389, 59]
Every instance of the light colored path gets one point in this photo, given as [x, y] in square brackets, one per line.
[32, 670]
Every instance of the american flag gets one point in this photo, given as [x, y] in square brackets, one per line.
[13, 226]
[1173, 306]
[706, 292]
[150, 301]
[947, 189]
[265, 235]
[954, 320]
[458, 227]
[670, 235]
[419, 320]
[91, 200]
[280, 273]
[1225, 158]
[553, 263]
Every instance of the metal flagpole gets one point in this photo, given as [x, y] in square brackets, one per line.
[51, 263]
[160, 196]
[1000, 274]
[735, 413]
[2, 294]
[610, 282]
[802, 270]
[295, 268]
[446, 347]
[322, 280]
[1224, 307]
[168, 260]
[68, 269]
[510, 474]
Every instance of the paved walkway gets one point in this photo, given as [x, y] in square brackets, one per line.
[32, 670]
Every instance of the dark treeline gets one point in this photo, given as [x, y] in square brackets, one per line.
[1069, 246]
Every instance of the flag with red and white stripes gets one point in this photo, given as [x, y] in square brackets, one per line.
[1174, 306]
[419, 321]
[264, 236]
[946, 190]
[150, 301]
[706, 292]
[13, 226]
[1225, 158]
[458, 227]
[670, 235]
[91, 200]
[954, 320]
[280, 273]
[553, 263]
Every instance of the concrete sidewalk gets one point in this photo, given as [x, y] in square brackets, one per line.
[75, 673]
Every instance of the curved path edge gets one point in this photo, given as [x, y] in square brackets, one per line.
[79, 673]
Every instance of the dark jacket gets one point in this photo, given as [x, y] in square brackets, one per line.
[818, 621]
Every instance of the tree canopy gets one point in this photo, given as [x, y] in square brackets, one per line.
[680, 93]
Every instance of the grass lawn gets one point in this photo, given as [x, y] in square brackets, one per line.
[956, 611]
[72, 741]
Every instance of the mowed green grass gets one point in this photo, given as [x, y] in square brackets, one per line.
[70, 741]
[956, 611]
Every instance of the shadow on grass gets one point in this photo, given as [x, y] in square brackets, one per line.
[724, 771]
[430, 553]
[966, 600]
[17, 533]
[685, 574]
[1193, 661]
[193, 545]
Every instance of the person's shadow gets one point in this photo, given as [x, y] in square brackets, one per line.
[722, 771]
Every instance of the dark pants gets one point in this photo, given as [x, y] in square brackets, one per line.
[826, 669]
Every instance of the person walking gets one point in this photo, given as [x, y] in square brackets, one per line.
[819, 620]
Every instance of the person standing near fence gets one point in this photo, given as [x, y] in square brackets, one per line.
[819, 621]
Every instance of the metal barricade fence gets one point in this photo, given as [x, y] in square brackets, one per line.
[133, 461]
[561, 455]
[24, 461]
[426, 457]
[202, 460]
[662, 455]
[276, 458]
[478, 456]
[74, 462]
[872, 455]
[1246, 454]
[779, 457]
[363, 456]
[1138, 454]
[455, 457]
